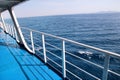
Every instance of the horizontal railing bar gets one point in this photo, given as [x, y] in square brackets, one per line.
[80, 58]
[55, 68]
[37, 39]
[40, 53]
[81, 44]
[53, 46]
[83, 70]
[26, 35]
[114, 73]
[84, 60]
[27, 40]
[34, 37]
[53, 54]
[37, 45]
[55, 62]
[74, 75]
[77, 43]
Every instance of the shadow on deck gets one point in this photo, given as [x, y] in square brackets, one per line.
[17, 64]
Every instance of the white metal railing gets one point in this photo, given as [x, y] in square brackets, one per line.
[11, 31]
[107, 54]
[63, 58]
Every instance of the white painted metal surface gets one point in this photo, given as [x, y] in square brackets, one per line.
[63, 59]
[44, 49]
[18, 30]
[32, 42]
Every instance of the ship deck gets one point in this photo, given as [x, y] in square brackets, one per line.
[17, 63]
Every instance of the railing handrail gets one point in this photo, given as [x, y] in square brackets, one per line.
[78, 43]
[65, 70]
[106, 60]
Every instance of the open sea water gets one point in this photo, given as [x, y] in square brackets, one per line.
[99, 30]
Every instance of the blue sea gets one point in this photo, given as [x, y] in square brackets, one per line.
[101, 30]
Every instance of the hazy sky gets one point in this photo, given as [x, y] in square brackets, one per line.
[58, 7]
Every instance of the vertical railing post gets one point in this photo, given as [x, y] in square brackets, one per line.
[44, 49]
[13, 32]
[63, 59]
[106, 67]
[6, 28]
[9, 29]
[31, 36]
[16, 37]
[3, 22]
[18, 30]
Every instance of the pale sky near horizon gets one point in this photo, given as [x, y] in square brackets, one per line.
[61, 7]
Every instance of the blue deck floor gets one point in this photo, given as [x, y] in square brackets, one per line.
[17, 64]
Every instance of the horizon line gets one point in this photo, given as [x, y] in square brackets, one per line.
[100, 12]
